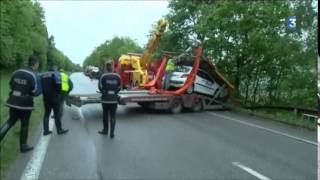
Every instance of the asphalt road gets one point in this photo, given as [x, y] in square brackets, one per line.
[158, 145]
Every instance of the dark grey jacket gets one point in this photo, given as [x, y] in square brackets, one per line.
[24, 84]
[109, 86]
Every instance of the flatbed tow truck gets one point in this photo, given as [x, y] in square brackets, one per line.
[151, 96]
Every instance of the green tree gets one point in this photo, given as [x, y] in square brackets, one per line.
[23, 32]
[111, 50]
[252, 45]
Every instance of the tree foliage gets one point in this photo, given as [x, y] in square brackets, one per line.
[23, 32]
[251, 44]
[111, 49]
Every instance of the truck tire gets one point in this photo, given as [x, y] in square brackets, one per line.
[176, 106]
[144, 105]
[196, 105]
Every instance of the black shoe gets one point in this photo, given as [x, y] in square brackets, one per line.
[111, 136]
[63, 131]
[25, 148]
[47, 133]
[103, 132]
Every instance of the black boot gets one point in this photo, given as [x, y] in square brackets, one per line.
[103, 132]
[47, 132]
[113, 124]
[63, 131]
[25, 148]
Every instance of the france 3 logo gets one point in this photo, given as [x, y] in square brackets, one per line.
[291, 24]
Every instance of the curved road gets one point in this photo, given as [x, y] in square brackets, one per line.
[158, 145]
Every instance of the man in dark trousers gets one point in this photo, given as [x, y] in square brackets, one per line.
[66, 88]
[51, 89]
[24, 84]
[109, 86]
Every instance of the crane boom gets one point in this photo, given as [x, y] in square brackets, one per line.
[153, 42]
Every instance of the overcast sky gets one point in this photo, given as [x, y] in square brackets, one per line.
[80, 26]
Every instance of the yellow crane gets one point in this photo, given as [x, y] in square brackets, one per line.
[138, 62]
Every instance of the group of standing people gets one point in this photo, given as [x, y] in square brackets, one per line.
[25, 84]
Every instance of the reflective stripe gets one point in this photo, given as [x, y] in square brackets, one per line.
[19, 107]
[16, 93]
[111, 92]
[64, 82]
[34, 77]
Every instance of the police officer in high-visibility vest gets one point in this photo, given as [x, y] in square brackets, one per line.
[51, 89]
[169, 71]
[109, 86]
[24, 85]
[66, 87]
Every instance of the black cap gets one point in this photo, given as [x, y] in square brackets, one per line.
[32, 60]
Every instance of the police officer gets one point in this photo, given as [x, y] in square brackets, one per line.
[169, 72]
[66, 87]
[24, 84]
[51, 87]
[109, 86]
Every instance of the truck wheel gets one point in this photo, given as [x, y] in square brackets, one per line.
[196, 105]
[176, 106]
[144, 105]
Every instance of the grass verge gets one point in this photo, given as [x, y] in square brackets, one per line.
[283, 116]
[9, 147]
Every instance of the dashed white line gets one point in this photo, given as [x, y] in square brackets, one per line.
[33, 168]
[251, 171]
[266, 129]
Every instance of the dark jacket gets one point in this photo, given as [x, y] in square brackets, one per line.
[109, 86]
[24, 84]
[51, 86]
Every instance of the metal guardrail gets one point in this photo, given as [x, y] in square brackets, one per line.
[311, 118]
[298, 110]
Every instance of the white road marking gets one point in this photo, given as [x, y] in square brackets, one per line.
[33, 168]
[251, 171]
[266, 129]
[318, 130]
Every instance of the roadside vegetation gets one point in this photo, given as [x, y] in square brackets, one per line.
[284, 116]
[23, 32]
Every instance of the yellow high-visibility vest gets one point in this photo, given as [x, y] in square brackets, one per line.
[170, 66]
[64, 82]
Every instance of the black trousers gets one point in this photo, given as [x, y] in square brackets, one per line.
[62, 99]
[50, 105]
[14, 116]
[109, 110]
